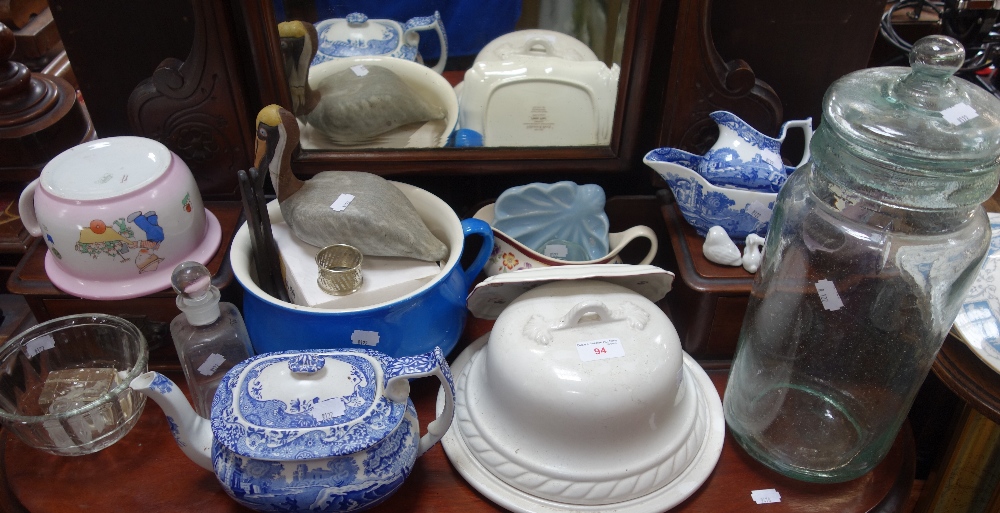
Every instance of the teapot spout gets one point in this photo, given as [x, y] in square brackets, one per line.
[192, 432]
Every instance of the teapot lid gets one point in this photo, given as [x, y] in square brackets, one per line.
[357, 35]
[921, 121]
[296, 405]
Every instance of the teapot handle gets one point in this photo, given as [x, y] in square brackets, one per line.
[807, 126]
[398, 389]
[427, 23]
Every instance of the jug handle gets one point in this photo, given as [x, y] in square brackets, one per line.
[473, 226]
[398, 389]
[807, 127]
[427, 23]
[627, 236]
[26, 209]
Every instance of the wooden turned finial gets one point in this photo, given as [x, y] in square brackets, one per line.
[15, 77]
[6, 42]
[39, 114]
[24, 98]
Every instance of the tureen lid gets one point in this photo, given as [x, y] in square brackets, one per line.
[298, 405]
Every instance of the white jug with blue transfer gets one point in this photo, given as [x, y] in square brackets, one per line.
[357, 35]
[872, 247]
[744, 158]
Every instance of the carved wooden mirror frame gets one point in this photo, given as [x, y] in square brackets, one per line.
[643, 18]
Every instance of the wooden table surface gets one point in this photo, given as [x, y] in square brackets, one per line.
[146, 471]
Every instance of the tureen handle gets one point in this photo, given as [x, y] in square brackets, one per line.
[398, 389]
[540, 330]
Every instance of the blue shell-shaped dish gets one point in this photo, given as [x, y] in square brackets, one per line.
[538, 213]
[704, 205]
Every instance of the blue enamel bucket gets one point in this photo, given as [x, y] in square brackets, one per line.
[433, 315]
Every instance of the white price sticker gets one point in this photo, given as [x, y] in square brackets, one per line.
[765, 496]
[211, 364]
[600, 349]
[328, 409]
[958, 114]
[342, 201]
[364, 338]
[759, 211]
[38, 345]
[556, 251]
[359, 70]
[828, 295]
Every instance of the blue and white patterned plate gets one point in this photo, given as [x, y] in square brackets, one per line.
[978, 322]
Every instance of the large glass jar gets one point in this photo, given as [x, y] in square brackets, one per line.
[873, 244]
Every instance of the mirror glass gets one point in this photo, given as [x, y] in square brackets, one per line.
[452, 73]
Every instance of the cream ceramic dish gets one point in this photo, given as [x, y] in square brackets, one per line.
[615, 416]
[539, 101]
[491, 296]
[423, 81]
[535, 42]
[117, 215]
[509, 255]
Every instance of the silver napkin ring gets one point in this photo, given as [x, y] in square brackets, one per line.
[339, 269]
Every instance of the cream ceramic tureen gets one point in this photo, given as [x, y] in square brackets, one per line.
[583, 399]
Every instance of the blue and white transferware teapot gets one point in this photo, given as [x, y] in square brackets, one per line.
[323, 430]
[744, 158]
[356, 35]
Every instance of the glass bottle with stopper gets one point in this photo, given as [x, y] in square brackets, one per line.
[209, 335]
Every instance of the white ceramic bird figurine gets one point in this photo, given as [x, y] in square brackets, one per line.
[719, 248]
[354, 105]
[752, 252]
[379, 220]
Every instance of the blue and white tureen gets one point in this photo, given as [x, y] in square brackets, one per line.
[318, 430]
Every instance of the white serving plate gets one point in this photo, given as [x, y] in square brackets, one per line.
[540, 101]
[429, 85]
[661, 499]
[978, 322]
[489, 297]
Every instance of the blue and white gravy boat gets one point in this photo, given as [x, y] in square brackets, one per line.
[703, 204]
[744, 158]
[356, 36]
[318, 430]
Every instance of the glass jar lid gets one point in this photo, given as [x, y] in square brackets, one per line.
[922, 120]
